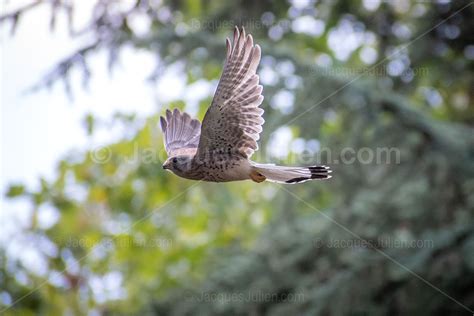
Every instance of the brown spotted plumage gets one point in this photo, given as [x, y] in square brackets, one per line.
[221, 148]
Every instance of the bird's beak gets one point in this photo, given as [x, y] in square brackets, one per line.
[166, 165]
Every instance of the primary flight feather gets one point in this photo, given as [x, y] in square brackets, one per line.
[219, 150]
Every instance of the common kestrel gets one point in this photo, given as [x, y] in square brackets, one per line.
[219, 150]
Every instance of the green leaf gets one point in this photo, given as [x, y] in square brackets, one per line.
[15, 190]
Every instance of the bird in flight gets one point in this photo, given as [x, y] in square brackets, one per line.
[219, 150]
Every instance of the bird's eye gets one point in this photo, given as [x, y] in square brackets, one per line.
[175, 160]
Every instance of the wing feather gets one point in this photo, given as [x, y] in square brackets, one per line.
[234, 120]
[181, 133]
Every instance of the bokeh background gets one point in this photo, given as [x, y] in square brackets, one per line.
[382, 91]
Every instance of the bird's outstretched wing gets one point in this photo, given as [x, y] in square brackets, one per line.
[181, 133]
[234, 120]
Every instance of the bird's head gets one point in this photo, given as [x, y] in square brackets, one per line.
[178, 164]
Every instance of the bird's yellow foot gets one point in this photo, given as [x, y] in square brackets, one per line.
[257, 176]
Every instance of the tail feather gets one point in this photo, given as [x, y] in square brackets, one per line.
[282, 174]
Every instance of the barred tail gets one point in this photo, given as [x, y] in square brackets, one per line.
[284, 174]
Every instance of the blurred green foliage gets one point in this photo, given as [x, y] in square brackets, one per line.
[379, 238]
